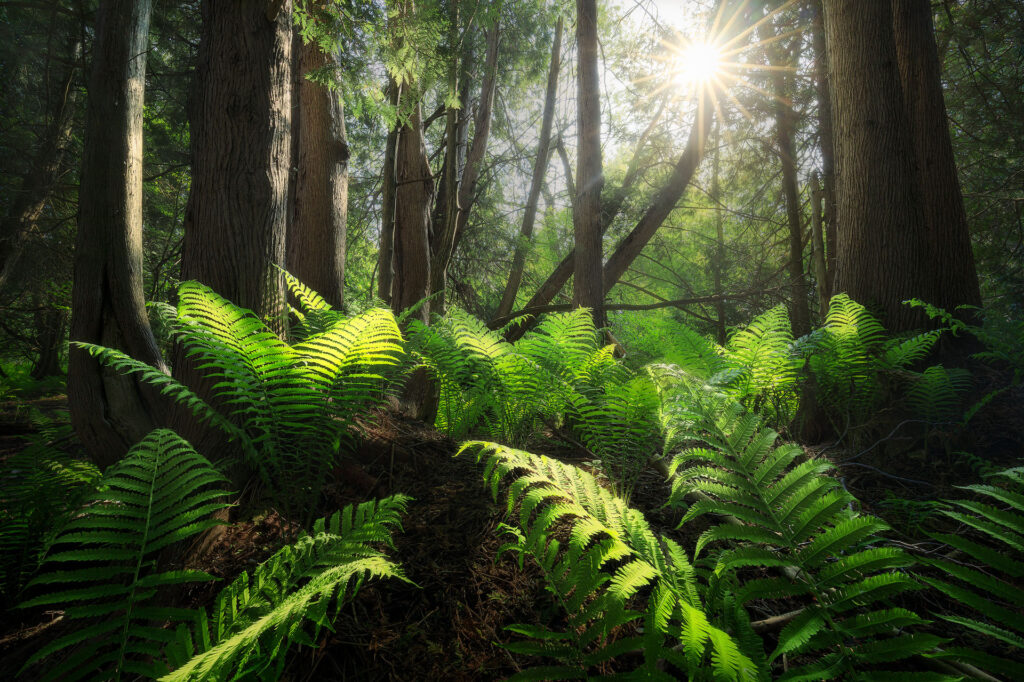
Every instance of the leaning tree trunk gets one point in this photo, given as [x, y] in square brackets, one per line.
[540, 166]
[317, 230]
[588, 291]
[240, 118]
[950, 259]
[110, 412]
[883, 248]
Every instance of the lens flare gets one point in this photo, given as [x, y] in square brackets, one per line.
[697, 64]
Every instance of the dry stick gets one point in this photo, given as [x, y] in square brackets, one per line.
[792, 572]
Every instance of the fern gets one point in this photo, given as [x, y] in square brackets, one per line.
[289, 598]
[985, 576]
[604, 567]
[40, 486]
[935, 394]
[290, 406]
[761, 367]
[791, 515]
[100, 567]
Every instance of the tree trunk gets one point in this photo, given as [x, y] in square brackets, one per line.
[718, 264]
[950, 259]
[785, 127]
[240, 118]
[50, 323]
[316, 233]
[667, 198]
[110, 412]
[818, 254]
[540, 166]
[413, 197]
[664, 202]
[37, 185]
[386, 255]
[446, 242]
[588, 291]
[826, 143]
[883, 246]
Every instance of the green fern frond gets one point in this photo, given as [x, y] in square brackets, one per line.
[602, 565]
[101, 563]
[789, 515]
[988, 587]
[41, 485]
[290, 597]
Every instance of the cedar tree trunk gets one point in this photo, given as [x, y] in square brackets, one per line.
[110, 412]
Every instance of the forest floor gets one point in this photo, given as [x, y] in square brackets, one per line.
[447, 623]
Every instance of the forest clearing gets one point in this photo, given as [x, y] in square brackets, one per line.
[527, 340]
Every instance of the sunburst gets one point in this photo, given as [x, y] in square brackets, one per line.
[712, 66]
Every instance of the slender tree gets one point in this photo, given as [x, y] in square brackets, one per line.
[588, 290]
[110, 412]
[826, 145]
[779, 59]
[386, 252]
[540, 166]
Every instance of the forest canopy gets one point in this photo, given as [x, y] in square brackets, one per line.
[512, 339]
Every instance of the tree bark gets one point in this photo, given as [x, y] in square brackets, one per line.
[826, 143]
[667, 198]
[240, 118]
[664, 202]
[37, 185]
[386, 255]
[317, 231]
[883, 246]
[950, 259]
[110, 412]
[785, 126]
[818, 253]
[413, 197]
[718, 264]
[588, 291]
[446, 242]
[540, 167]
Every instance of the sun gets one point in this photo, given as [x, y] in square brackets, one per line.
[696, 64]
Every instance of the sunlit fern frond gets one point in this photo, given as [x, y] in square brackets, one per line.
[101, 566]
[290, 406]
[289, 598]
[761, 366]
[789, 515]
[984, 572]
[609, 572]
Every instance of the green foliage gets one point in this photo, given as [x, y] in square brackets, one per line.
[789, 515]
[40, 486]
[609, 572]
[850, 357]
[761, 367]
[1002, 337]
[289, 598]
[290, 406]
[101, 567]
[984, 570]
[556, 374]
